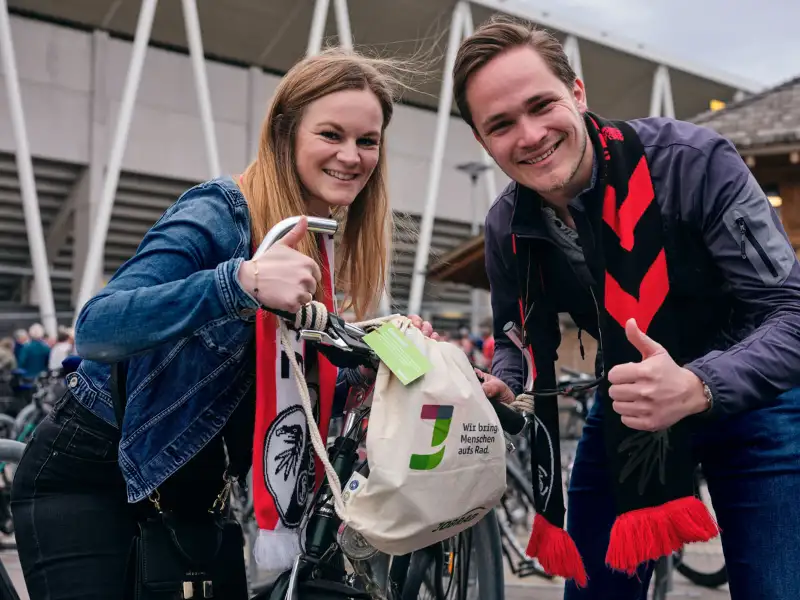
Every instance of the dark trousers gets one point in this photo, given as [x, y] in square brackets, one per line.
[752, 466]
[74, 527]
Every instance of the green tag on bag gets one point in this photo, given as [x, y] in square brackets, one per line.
[398, 353]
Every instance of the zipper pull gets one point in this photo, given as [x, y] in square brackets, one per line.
[743, 230]
[580, 344]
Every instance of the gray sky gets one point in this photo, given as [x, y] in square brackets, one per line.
[757, 39]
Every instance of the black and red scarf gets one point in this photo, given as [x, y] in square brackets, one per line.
[657, 512]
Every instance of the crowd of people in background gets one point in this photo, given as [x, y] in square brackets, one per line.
[478, 346]
[33, 352]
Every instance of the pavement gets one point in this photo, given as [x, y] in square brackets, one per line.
[11, 564]
[544, 590]
[706, 556]
[516, 589]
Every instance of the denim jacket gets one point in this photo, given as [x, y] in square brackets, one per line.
[177, 313]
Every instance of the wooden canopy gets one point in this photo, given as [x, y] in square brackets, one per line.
[464, 264]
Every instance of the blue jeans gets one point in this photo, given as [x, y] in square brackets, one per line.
[752, 466]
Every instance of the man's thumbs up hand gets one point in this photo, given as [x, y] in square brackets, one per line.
[655, 393]
[644, 344]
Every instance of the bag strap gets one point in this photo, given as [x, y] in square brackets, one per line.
[305, 399]
[119, 397]
[118, 389]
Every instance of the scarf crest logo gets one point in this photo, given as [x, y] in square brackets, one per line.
[289, 470]
[612, 134]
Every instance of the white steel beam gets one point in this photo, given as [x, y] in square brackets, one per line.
[58, 230]
[85, 208]
[256, 109]
[573, 51]
[669, 102]
[317, 31]
[489, 175]
[93, 267]
[195, 38]
[661, 102]
[344, 31]
[437, 160]
[30, 200]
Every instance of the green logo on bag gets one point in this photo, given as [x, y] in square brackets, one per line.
[442, 416]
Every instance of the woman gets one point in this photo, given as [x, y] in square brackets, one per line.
[181, 314]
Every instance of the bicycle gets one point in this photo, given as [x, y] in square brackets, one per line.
[516, 516]
[10, 453]
[44, 392]
[712, 576]
[320, 572]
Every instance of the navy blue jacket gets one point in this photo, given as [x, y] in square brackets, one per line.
[734, 275]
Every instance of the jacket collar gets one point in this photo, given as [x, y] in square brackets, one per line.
[527, 219]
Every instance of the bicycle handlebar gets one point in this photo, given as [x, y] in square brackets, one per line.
[11, 451]
[511, 421]
[315, 225]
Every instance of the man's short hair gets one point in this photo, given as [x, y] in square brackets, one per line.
[497, 35]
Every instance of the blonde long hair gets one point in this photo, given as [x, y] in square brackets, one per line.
[272, 185]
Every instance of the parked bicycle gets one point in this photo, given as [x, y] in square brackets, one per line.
[41, 395]
[10, 454]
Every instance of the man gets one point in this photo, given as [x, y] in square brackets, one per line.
[655, 238]
[35, 354]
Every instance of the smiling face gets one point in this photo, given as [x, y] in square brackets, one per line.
[337, 147]
[531, 123]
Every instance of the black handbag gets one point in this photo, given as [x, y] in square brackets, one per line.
[184, 556]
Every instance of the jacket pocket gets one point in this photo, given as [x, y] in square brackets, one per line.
[81, 439]
[224, 336]
[747, 235]
[751, 223]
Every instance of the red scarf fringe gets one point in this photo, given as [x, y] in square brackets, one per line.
[556, 551]
[650, 533]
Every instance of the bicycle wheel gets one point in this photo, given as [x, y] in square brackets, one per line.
[712, 579]
[466, 567]
[703, 564]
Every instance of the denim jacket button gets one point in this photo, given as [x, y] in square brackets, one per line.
[73, 381]
[247, 312]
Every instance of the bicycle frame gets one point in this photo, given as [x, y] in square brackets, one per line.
[321, 560]
[322, 554]
[322, 557]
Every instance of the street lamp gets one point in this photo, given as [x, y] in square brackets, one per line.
[474, 169]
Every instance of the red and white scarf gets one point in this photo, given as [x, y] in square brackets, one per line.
[284, 474]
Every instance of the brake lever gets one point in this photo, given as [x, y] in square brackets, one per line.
[341, 347]
[352, 336]
[323, 339]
